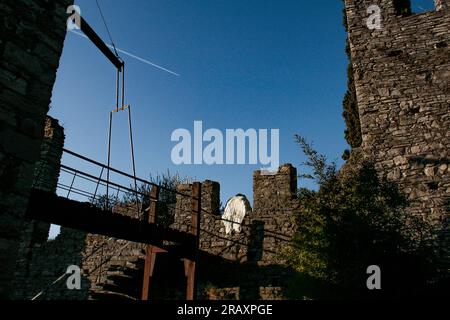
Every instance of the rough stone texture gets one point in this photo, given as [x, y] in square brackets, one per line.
[35, 233]
[275, 204]
[47, 262]
[31, 39]
[402, 78]
[40, 262]
[114, 268]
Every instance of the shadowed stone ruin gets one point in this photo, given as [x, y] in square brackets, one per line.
[402, 79]
[32, 35]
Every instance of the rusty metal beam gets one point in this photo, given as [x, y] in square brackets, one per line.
[150, 256]
[98, 42]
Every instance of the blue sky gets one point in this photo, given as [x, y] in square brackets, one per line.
[242, 64]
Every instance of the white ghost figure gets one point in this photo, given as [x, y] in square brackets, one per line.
[235, 210]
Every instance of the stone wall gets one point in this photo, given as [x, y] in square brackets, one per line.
[47, 262]
[31, 39]
[402, 79]
[274, 206]
[247, 264]
[41, 261]
[263, 232]
[35, 233]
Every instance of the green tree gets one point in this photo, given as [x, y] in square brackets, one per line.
[356, 219]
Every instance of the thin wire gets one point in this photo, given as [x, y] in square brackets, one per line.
[109, 158]
[98, 183]
[243, 225]
[71, 185]
[134, 56]
[107, 29]
[82, 261]
[49, 286]
[65, 274]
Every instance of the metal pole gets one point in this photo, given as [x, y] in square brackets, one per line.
[123, 86]
[54, 282]
[132, 157]
[98, 182]
[109, 160]
[117, 89]
[71, 185]
[109, 136]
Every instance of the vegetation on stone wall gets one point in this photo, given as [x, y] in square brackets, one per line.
[355, 220]
[167, 199]
[350, 104]
[104, 202]
[165, 210]
[403, 7]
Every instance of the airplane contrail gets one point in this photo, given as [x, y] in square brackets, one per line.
[132, 56]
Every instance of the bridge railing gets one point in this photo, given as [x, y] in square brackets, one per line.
[114, 191]
[86, 180]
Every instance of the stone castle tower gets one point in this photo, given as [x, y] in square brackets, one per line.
[402, 80]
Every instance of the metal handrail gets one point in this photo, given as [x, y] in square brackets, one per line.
[121, 173]
[102, 180]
